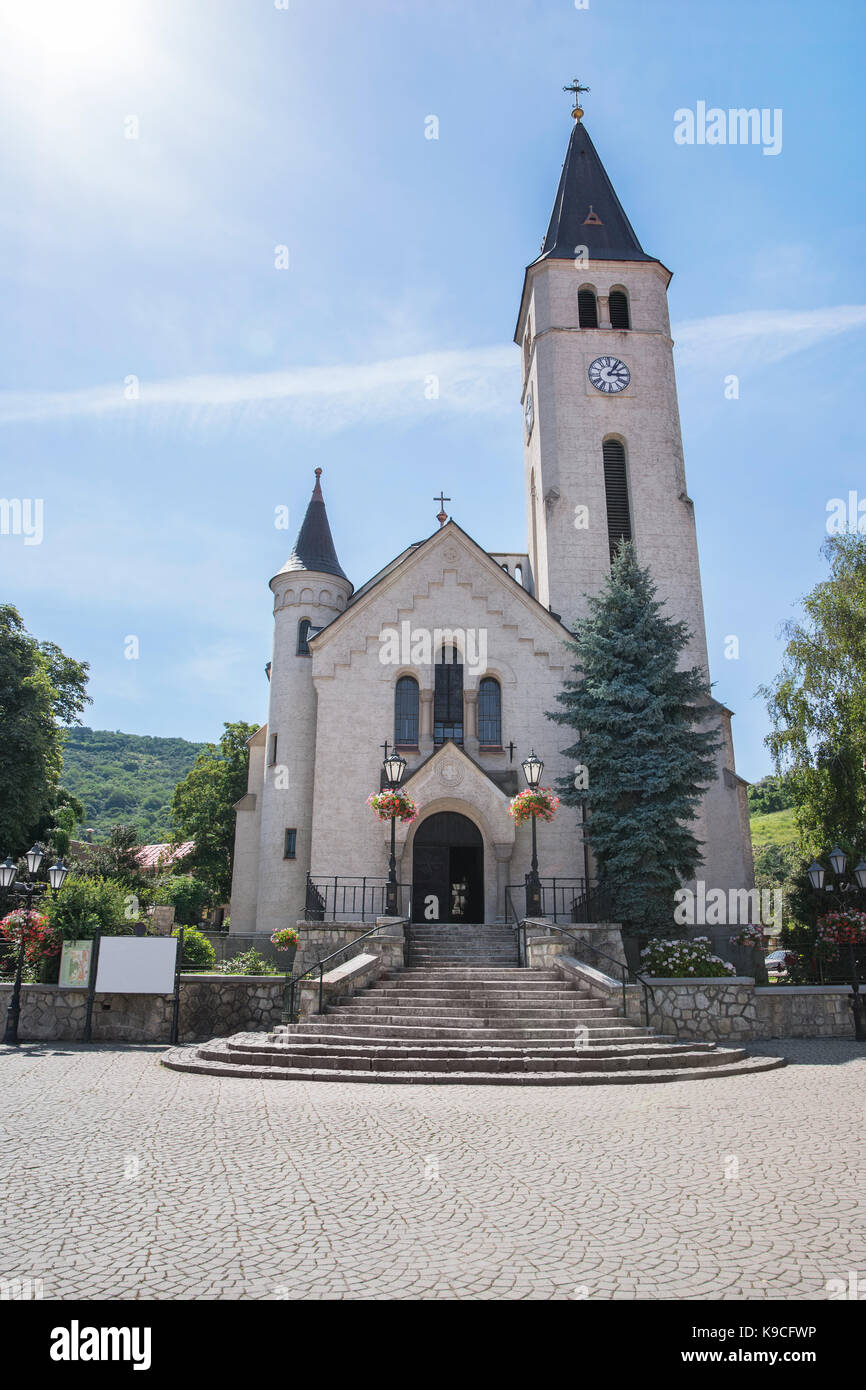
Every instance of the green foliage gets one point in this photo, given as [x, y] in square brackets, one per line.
[197, 950]
[40, 691]
[86, 905]
[202, 806]
[248, 963]
[770, 794]
[636, 717]
[117, 857]
[187, 895]
[784, 866]
[817, 703]
[126, 778]
[776, 828]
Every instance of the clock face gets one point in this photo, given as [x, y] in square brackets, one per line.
[609, 374]
[529, 414]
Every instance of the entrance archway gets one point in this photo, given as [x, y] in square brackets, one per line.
[448, 870]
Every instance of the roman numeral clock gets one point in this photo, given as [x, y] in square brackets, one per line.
[609, 375]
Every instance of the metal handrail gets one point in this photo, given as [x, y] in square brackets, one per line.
[294, 980]
[519, 926]
[624, 967]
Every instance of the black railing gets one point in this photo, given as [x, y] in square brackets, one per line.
[844, 964]
[626, 974]
[570, 900]
[518, 925]
[336, 898]
[293, 982]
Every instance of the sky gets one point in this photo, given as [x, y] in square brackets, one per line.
[168, 383]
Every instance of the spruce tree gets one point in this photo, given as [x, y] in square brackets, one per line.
[637, 721]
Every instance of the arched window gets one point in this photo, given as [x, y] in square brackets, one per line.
[616, 493]
[518, 574]
[618, 303]
[587, 309]
[448, 697]
[303, 633]
[406, 713]
[490, 713]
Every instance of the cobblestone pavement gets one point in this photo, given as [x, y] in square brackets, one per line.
[124, 1180]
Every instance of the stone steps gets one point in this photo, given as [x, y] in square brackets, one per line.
[465, 1023]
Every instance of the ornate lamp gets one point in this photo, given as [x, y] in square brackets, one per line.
[816, 875]
[838, 860]
[33, 859]
[532, 770]
[56, 874]
[8, 870]
[394, 766]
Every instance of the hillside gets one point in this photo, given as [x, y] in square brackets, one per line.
[777, 828]
[126, 778]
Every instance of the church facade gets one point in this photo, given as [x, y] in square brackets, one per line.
[454, 655]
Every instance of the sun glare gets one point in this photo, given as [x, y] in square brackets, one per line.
[73, 37]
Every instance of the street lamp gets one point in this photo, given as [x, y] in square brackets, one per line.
[393, 767]
[843, 884]
[26, 889]
[532, 770]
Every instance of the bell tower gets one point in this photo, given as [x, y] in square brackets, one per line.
[602, 444]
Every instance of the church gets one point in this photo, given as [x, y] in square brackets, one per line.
[452, 655]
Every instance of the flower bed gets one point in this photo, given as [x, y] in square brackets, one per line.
[673, 960]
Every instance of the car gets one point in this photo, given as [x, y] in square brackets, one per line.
[777, 962]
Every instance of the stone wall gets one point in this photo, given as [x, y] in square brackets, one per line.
[210, 1006]
[544, 942]
[705, 1009]
[804, 1011]
[320, 939]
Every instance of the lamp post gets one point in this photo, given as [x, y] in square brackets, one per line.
[27, 889]
[843, 883]
[532, 770]
[393, 767]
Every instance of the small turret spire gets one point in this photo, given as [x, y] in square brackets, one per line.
[314, 549]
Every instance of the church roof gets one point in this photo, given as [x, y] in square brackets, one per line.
[314, 548]
[587, 211]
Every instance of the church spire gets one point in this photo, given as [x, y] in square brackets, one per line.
[314, 548]
[587, 211]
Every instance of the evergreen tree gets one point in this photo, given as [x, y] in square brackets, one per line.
[637, 721]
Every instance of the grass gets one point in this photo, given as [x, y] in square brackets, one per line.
[778, 828]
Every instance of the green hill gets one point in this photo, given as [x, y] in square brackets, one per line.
[126, 778]
[777, 828]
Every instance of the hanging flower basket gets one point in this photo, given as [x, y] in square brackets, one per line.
[842, 929]
[40, 939]
[390, 805]
[285, 939]
[540, 802]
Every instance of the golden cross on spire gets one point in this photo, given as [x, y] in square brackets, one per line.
[576, 89]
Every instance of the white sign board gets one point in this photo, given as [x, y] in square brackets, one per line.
[136, 965]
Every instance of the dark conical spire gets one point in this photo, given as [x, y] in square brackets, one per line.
[314, 548]
[587, 211]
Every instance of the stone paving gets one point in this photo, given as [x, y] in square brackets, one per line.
[124, 1180]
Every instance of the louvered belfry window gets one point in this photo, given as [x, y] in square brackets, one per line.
[587, 309]
[406, 713]
[616, 492]
[618, 303]
[448, 697]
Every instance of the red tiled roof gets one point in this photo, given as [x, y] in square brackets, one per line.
[150, 856]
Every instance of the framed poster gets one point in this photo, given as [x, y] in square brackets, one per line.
[136, 965]
[75, 964]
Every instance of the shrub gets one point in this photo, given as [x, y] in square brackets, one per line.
[285, 938]
[671, 959]
[247, 963]
[86, 905]
[187, 895]
[197, 950]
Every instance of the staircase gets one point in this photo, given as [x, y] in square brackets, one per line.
[462, 1012]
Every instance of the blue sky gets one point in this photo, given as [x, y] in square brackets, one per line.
[153, 258]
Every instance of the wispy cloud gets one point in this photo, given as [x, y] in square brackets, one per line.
[472, 382]
[762, 336]
[479, 381]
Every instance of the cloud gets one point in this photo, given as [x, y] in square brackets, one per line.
[479, 381]
[762, 336]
